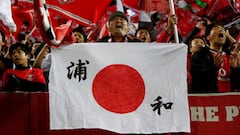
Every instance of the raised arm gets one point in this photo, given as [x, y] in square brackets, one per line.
[40, 56]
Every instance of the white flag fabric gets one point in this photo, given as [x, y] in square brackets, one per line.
[6, 15]
[120, 87]
[119, 6]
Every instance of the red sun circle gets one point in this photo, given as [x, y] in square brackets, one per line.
[118, 88]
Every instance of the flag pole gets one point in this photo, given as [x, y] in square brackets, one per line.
[171, 5]
[31, 32]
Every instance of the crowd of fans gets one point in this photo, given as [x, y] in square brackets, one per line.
[213, 59]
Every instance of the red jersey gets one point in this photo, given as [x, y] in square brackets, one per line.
[33, 75]
[224, 84]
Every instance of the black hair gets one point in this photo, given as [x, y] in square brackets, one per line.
[21, 36]
[143, 28]
[80, 30]
[118, 14]
[21, 46]
[210, 27]
[197, 37]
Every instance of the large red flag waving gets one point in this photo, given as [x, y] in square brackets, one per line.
[56, 16]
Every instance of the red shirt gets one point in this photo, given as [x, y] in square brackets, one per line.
[34, 75]
[224, 84]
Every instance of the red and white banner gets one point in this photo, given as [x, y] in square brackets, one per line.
[120, 87]
[33, 115]
[215, 114]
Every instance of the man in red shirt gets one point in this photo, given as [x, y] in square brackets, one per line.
[223, 59]
[213, 65]
[23, 77]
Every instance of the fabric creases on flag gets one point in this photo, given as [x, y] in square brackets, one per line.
[120, 87]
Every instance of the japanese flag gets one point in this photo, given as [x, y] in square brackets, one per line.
[120, 87]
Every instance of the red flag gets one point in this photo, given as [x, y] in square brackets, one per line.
[133, 4]
[59, 12]
[22, 15]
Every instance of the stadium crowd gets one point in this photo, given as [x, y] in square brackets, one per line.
[213, 54]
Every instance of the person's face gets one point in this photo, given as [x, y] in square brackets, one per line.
[217, 35]
[196, 44]
[79, 37]
[118, 26]
[143, 35]
[19, 57]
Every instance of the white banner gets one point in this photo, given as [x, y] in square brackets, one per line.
[120, 87]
